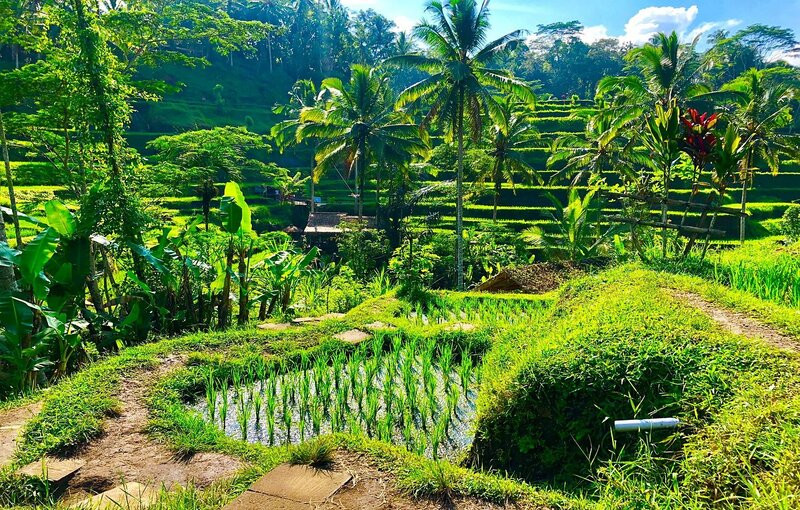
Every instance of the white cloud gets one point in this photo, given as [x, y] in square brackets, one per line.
[651, 20]
[594, 33]
[792, 58]
[646, 23]
[403, 23]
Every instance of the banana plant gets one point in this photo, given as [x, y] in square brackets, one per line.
[236, 222]
[278, 275]
[662, 137]
[40, 314]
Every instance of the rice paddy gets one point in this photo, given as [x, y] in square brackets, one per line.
[415, 392]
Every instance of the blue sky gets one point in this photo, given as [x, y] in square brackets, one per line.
[628, 20]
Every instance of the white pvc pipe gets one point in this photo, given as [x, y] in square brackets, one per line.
[646, 425]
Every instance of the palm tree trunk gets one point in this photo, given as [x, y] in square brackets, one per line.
[10, 183]
[664, 216]
[360, 171]
[460, 195]
[269, 52]
[7, 283]
[745, 183]
[498, 186]
[743, 219]
[377, 196]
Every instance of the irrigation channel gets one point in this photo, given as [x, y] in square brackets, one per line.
[414, 392]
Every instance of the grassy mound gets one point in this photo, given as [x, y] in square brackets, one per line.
[616, 347]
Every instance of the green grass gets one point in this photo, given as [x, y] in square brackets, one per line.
[616, 346]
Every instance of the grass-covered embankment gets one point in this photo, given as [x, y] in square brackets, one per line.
[618, 346]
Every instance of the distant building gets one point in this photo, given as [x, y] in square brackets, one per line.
[325, 224]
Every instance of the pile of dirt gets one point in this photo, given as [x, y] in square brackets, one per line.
[532, 279]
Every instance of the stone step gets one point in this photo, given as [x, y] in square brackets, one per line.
[298, 321]
[128, 496]
[378, 325]
[289, 487]
[56, 471]
[354, 336]
[11, 425]
[273, 326]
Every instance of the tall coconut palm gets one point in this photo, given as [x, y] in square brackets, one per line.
[670, 72]
[511, 133]
[303, 94]
[357, 125]
[461, 81]
[761, 107]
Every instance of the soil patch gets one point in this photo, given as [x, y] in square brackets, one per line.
[531, 279]
[739, 323]
[375, 489]
[11, 425]
[125, 453]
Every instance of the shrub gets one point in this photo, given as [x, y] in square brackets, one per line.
[363, 249]
[413, 266]
[791, 223]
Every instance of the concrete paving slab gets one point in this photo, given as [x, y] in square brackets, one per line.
[273, 326]
[257, 501]
[297, 321]
[11, 425]
[301, 484]
[372, 326]
[354, 336]
[129, 496]
[56, 470]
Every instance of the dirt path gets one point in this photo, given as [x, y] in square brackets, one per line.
[739, 323]
[11, 424]
[125, 453]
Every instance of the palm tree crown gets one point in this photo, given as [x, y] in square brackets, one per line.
[511, 135]
[357, 126]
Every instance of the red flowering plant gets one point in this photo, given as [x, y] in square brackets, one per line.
[699, 139]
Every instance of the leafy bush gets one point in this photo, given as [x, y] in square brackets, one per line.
[363, 249]
[791, 223]
[412, 265]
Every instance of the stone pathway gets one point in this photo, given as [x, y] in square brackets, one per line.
[11, 424]
[291, 488]
[354, 336]
[739, 323]
[299, 321]
[129, 496]
[275, 326]
[125, 452]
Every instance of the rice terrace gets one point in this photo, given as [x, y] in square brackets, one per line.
[349, 254]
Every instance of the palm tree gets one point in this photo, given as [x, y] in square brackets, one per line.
[761, 107]
[606, 145]
[357, 125]
[669, 70]
[511, 134]
[460, 81]
[303, 94]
